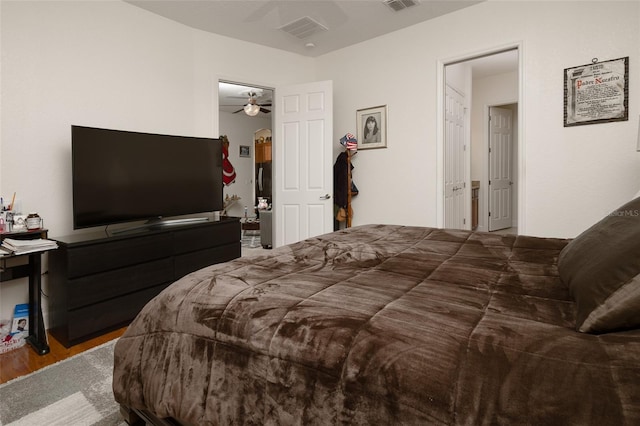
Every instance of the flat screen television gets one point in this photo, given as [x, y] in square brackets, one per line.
[122, 176]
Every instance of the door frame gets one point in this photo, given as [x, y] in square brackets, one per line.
[521, 145]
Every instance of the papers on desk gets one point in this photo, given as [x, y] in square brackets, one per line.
[17, 247]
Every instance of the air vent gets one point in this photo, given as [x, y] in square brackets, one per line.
[398, 5]
[303, 27]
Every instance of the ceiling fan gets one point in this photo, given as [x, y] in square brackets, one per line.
[252, 107]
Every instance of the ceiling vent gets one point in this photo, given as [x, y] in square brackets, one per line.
[398, 5]
[303, 27]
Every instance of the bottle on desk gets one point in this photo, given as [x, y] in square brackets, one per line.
[33, 221]
[8, 221]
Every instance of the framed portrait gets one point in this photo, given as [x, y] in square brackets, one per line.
[371, 125]
[597, 92]
[245, 151]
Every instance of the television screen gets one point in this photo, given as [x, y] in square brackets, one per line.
[120, 176]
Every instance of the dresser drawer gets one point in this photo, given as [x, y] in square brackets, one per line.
[109, 314]
[202, 238]
[91, 259]
[107, 285]
[185, 264]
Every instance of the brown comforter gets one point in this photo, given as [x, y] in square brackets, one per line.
[375, 325]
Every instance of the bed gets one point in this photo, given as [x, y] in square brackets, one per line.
[386, 324]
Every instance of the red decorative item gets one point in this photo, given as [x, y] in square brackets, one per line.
[228, 172]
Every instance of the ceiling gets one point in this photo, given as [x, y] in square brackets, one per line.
[330, 24]
[232, 97]
[338, 23]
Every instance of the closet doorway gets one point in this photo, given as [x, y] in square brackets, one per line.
[485, 80]
[302, 206]
[503, 173]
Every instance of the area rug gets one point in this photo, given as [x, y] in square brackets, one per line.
[251, 239]
[76, 391]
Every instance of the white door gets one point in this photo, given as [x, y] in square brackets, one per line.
[455, 190]
[500, 168]
[303, 179]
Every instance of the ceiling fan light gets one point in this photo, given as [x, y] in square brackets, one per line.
[251, 109]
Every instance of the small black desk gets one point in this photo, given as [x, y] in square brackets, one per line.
[37, 337]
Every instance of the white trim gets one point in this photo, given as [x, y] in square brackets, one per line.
[522, 177]
[440, 96]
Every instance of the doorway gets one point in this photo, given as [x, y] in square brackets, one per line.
[301, 186]
[502, 182]
[246, 131]
[484, 80]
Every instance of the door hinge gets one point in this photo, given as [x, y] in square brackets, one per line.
[489, 182]
[464, 221]
[489, 214]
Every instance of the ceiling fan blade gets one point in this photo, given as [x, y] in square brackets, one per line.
[264, 110]
[266, 105]
[235, 112]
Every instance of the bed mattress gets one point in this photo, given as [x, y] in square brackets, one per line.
[379, 324]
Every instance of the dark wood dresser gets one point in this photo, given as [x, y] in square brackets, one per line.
[98, 282]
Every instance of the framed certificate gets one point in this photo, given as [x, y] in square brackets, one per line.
[597, 92]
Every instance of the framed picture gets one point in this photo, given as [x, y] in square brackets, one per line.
[371, 125]
[597, 92]
[245, 151]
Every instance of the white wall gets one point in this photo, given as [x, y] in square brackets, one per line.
[106, 64]
[240, 129]
[500, 89]
[572, 176]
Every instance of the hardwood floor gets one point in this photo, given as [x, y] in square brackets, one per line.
[24, 360]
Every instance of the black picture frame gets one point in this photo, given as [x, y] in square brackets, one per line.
[245, 150]
[378, 137]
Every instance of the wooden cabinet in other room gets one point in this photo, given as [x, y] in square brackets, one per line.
[263, 152]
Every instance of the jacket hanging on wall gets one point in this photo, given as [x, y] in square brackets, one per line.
[340, 190]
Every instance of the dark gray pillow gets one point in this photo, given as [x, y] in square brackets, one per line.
[602, 269]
